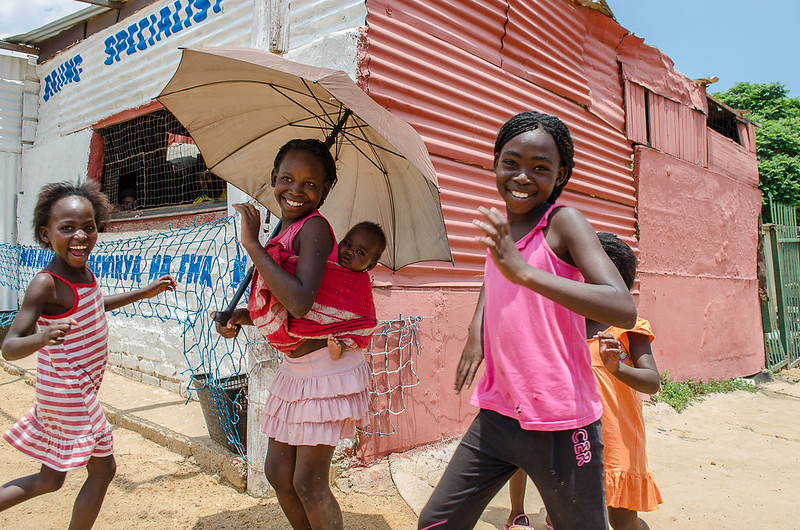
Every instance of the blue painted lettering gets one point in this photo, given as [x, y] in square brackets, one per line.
[188, 11]
[205, 274]
[159, 266]
[65, 73]
[166, 23]
[152, 29]
[176, 18]
[136, 270]
[141, 43]
[202, 6]
[185, 259]
[131, 49]
[194, 268]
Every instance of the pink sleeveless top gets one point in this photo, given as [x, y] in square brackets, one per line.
[67, 425]
[286, 238]
[538, 367]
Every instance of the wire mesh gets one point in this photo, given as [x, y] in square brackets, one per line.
[151, 161]
[208, 263]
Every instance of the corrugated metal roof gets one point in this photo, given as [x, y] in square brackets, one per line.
[48, 31]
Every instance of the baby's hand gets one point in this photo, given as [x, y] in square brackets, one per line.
[610, 351]
[165, 283]
[55, 332]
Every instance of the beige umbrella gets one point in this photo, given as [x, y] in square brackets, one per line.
[240, 105]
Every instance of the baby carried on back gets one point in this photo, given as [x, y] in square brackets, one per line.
[344, 307]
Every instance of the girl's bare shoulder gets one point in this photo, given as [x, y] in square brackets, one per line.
[568, 227]
[315, 231]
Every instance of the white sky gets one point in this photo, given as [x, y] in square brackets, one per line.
[21, 16]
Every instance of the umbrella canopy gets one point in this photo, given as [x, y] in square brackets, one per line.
[240, 105]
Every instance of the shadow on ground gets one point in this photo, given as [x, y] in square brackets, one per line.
[270, 517]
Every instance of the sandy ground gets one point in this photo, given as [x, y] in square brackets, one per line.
[728, 462]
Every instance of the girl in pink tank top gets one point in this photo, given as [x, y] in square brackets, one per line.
[63, 318]
[539, 405]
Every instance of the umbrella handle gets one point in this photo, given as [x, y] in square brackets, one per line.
[223, 316]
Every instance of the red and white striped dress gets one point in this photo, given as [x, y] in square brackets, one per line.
[66, 425]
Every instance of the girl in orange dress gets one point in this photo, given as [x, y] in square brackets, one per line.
[624, 365]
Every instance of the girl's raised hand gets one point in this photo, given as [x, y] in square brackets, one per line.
[251, 224]
[610, 351]
[165, 283]
[54, 333]
[501, 245]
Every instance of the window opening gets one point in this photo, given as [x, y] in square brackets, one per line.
[151, 161]
[723, 119]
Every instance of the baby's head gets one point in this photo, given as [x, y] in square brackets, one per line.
[51, 194]
[621, 255]
[361, 248]
[127, 199]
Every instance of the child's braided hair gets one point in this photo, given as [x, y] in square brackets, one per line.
[316, 148]
[532, 120]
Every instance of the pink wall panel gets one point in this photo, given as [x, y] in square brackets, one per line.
[697, 266]
[635, 113]
[432, 409]
[544, 44]
[602, 69]
[705, 327]
[729, 158]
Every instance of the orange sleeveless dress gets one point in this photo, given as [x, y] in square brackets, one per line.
[629, 482]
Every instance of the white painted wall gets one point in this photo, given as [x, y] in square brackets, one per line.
[17, 125]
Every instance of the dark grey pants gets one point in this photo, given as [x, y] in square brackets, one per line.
[565, 466]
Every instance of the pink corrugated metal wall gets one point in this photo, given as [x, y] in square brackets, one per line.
[456, 71]
[456, 75]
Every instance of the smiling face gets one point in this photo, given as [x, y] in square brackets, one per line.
[299, 184]
[359, 250]
[528, 168]
[71, 230]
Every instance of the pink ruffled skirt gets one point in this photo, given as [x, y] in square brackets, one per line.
[315, 400]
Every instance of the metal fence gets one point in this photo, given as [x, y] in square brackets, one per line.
[780, 307]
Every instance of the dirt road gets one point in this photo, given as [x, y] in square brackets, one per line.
[729, 462]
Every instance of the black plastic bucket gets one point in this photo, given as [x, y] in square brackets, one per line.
[231, 395]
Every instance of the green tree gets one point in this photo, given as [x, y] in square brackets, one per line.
[778, 138]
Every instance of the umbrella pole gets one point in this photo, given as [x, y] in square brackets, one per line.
[223, 316]
[337, 128]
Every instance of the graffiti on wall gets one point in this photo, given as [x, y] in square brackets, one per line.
[65, 73]
[136, 37]
[171, 19]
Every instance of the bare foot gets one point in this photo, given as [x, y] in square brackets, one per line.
[336, 347]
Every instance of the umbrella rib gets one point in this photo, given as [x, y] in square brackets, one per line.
[325, 117]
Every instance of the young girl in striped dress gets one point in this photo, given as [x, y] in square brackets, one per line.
[63, 318]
